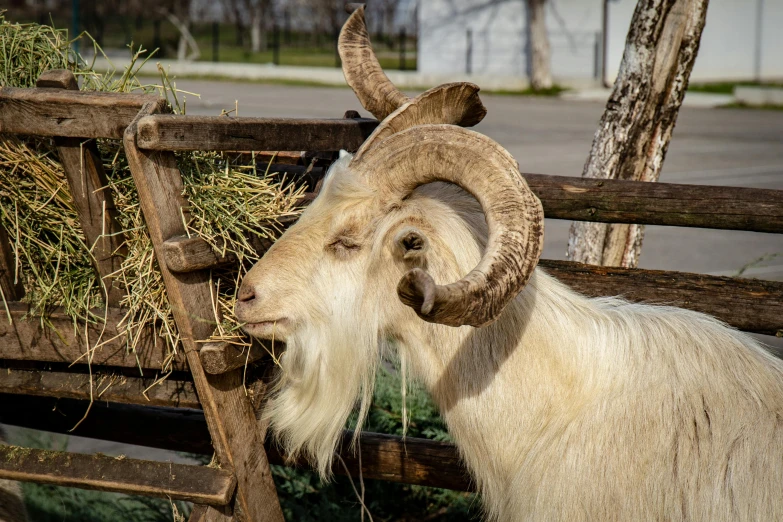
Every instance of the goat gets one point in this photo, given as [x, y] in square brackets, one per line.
[563, 407]
[11, 504]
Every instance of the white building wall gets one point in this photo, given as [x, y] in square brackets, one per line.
[498, 33]
[729, 43]
[728, 48]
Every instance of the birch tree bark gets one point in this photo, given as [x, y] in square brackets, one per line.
[539, 53]
[636, 127]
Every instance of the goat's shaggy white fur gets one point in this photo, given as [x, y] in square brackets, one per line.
[565, 408]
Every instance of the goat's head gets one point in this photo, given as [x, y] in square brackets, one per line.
[326, 287]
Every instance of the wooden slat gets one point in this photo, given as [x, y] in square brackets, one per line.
[620, 201]
[222, 357]
[168, 132]
[59, 340]
[236, 435]
[184, 254]
[95, 206]
[74, 114]
[12, 289]
[752, 305]
[388, 457]
[107, 387]
[199, 484]
[384, 457]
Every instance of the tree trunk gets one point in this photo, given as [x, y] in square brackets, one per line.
[635, 129]
[257, 33]
[539, 53]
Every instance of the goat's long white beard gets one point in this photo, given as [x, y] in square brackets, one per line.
[327, 366]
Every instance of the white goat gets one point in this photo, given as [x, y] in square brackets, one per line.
[563, 407]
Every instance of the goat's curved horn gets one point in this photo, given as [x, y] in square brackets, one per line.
[515, 217]
[454, 103]
[362, 71]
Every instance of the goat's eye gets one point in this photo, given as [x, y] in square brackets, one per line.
[343, 245]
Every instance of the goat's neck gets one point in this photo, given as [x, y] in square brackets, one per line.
[496, 385]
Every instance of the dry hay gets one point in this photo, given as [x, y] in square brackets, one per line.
[229, 201]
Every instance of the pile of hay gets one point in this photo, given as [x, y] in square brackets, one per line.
[228, 200]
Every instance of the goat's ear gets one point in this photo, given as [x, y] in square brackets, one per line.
[412, 245]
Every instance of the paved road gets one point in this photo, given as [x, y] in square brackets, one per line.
[710, 146]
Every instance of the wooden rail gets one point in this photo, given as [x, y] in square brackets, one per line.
[198, 484]
[671, 204]
[753, 305]
[70, 114]
[57, 340]
[384, 457]
[166, 132]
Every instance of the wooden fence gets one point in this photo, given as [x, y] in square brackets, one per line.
[202, 407]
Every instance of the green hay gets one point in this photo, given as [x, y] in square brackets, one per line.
[229, 200]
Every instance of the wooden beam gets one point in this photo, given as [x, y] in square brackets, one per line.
[101, 386]
[94, 204]
[59, 339]
[672, 204]
[753, 305]
[230, 415]
[384, 457]
[200, 484]
[168, 132]
[74, 114]
[11, 288]
[184, 254]
[222, 357]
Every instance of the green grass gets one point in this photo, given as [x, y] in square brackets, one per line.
[555, 90]
[740, 105]
[726, 87]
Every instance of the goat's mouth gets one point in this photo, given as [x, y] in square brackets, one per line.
[276, 329]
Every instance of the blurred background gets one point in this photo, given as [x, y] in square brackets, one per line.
[444, 38]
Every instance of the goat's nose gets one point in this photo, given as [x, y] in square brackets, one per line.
[246, 293]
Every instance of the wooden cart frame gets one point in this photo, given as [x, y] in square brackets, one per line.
[203, 406]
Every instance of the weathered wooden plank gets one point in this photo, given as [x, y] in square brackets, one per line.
[753, 305]
[107, 387]
[388, 457]
[168, 132]
[237, 439]
[184, 254]
[60, 340]
[200, 484]
[10, 286]
[222, 357]
[74, 114]
[384, 457]
[94, 205]
[672, 204]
